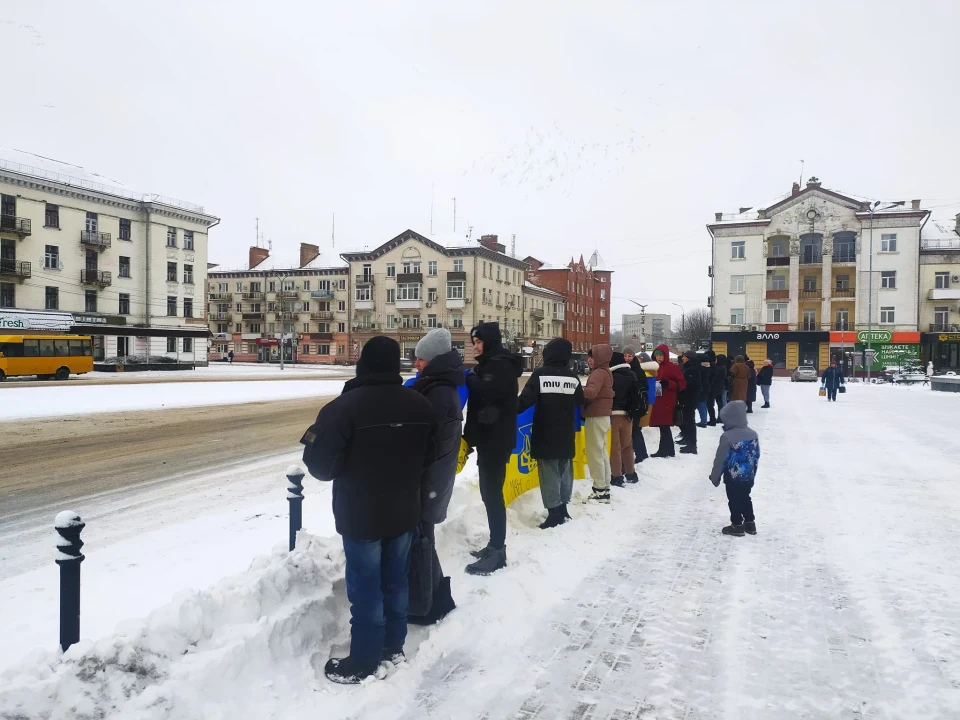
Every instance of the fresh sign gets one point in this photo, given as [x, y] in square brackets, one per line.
[14, 324]
[874, 336]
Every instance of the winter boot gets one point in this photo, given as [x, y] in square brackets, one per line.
[631, 478]
[554, 517]
[701, 425]
[659, 454]
[495, 560]
[617, 481]
[442, 604]
[600, 496]
[712, 423]
[735, 530]
[566, 513]
[346, 671]
[482, 553]
[750, 528]
[688, 450]
[765, 405]
[394, 657]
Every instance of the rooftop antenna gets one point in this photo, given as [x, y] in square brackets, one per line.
[513, 245]
[801, 172]
[333, 231]
[433, 186]
[454, 215]
[270, 245]
[258, 233]
[469, 231]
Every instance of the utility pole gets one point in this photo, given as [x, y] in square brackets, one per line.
[433, 187]
[454, 215]
[643, 323]
[333, 231]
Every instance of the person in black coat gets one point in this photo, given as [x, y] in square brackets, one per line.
[688, 400]
[491, 428]
[639, 444]
[718, 388]
[441, 374]
[751, 386]
[765, 380]
[626, 405]
[374, 442]
[555, 392]
[706, 383]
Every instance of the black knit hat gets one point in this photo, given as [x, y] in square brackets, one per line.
[379, 355]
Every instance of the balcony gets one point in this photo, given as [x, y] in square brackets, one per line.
[14, 225]
[536, 314]
[292, 294]
[456, 276]
[219, 296]
[250, 296]
[321, 316]
[842, 325]
[416, 278]
[808, 294]
[363, 304]
[843, 257]
[96, 277]
[778, 261]
[944, 327]
[98, 240]
[321, 337]
[943, 294]
[252, 316]
[811, 257]
[840, 293]
[808, 326]
[15, 268]
[219, 316]
[409, 304]
[778, 294]
[327, 294]
[944, 244]
[288, 315]
[456, 303]
[364, 279]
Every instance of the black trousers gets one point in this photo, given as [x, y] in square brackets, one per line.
[738, 498]
[688, 427]
[718, 401]
[493, 474]
[639, 444]
[429, 530]
[666, 441]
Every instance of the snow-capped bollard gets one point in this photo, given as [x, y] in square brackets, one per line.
[295, 497]
[69, 526]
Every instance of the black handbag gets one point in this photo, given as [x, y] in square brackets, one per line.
[421, 575]
[842, 389]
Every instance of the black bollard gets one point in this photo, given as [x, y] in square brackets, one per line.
[295, 497]
[69, 525]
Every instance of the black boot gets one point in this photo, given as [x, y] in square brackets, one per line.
[735, 530]
[566, 513]
[765, 405]
[631, 478]
[480, 554]
[688, 450]
[701, 425]
[346, 671]
[442, 604]
[495, 560]
[712, 423]
[617, 481]
[750, 528]
[554, 517]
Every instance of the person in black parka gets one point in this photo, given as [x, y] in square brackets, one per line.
[764, 381]
[491, 428]
[718, 387]
[639, 444]
[689, 399]
[751, 386]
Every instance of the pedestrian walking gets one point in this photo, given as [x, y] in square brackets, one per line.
[764, 381]
[926, 380]
[751, 386]
[441, 376]
[740, 379]
[555, 393]
[598, 395]
[230, 357]
[626, 404]
[374, 442]
[672, 382]
[736, 462]
[689, 399]
[639, 444]
[832, 380]
[491, 428]
[718, 388]
[706, 385]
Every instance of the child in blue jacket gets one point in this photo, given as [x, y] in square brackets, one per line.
[738, 456]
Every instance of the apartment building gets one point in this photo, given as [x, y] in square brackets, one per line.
[940, 293]
[269, 308]
[650, 328]
[81, 254]
[411, 284]
[818, 274]
[586, 288]
[545, 312]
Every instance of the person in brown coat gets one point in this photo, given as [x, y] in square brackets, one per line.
[741, 379]
[598, 394]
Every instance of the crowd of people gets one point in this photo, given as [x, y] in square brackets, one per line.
[392, 453]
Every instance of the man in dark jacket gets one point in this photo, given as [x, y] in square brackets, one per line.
[764, 381]
[639, 444]
[441, 374]
[492, 429]
[689, 398]
[374, 442]
[626, 404]
[832, 380]
[706, 383]
[719, 386]
[555, 392]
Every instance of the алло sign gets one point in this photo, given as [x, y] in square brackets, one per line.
[879, 337]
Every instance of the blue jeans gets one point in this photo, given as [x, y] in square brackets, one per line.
[377, 588]
[702, 409]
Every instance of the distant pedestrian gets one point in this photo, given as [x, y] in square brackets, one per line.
[765, 380]
[718, 389]
[706, 388]
[374, 442]
[926, 380]
[230, 357]
[736, 462]
[626, 404]
[639, 444]
[599, 394]
[751, 386]
[555, 393]
[740, 382]
[689, 398]
[492, 429]
[672, 382]
[832, 380]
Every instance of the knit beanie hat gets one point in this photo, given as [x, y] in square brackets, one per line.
[380, 355]
[629, 350]
[434, 343]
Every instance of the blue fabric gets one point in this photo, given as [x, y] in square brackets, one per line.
[832, 378]
[378, 591]
[702, 409]
[462, 389]
[742, 461]
[651, 390]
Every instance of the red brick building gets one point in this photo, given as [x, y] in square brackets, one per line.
[586, 286]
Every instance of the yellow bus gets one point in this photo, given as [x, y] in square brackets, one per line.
[46, 356]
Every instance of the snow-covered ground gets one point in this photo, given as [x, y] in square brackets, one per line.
[846, 605]
[215, 370]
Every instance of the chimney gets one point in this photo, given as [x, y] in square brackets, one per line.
[308, 253]
[490, 242]
[795, 190]
[915, 204]
[718, 216]
[813, 182]
[257, 256]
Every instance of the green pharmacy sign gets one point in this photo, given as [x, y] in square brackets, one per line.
[880, 337]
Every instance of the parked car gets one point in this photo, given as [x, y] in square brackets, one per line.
[805, 373]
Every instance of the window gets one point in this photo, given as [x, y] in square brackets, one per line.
[603, 312]
[272, 286]
[843, 282]
[736, 316]
[343, 284]
[171, 306]
[91, 223]
[458, 321]
[777, 313]
[51, 216]
[941, 280]
[391, 321]
[888, 279]
[171, 272]
[341, 327]
[254, 328]
[408, 291]
[187, 245]
[888, 242]
[498, 299]
[432, 268]
[363, 293]
[90, 301]
[432, 294]
[188, 307]
[458, 265]
[941, 316]
[341, 349]
[305, 350]
[411, 266]
[51, 257]
[188, 274]
[223, 328]
[342, 305]
[411, 321]
[238, 327]
[736, 283]
[810, 282]
[738, 250]
[123, 346]
[188, 345]
[124, 267]
[288, 286]
[810, 320]
[306, 327]
[431, 321]
[124, 229]
[779, 282]
[223, 287]
[323, 349]
[777, 248]
[391, 295]
[239, 287]
[171, 345]
[601, 329]
[306, 284]
[603, 294]
[498, 273]
[171, 237]
[842, 319]
[52, 299]
[123, 304]
[391, 270]
[886, 314]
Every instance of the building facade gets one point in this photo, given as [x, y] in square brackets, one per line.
[799, 280]
[586, 288]
[544, 312]
[650, 328]
[940, 294]
[128, 269]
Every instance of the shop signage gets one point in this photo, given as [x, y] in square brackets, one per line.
[874, 336]
[14, 323]
[20, 321]
[891, 354]
[949, 337]
[768, 336]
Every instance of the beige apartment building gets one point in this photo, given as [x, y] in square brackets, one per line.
[545, 312]
[940, 293]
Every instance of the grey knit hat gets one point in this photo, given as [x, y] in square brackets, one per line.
[434, 343]
[629, 350]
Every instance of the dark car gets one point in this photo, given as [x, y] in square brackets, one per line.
[578, 363]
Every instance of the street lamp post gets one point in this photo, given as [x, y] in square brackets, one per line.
[643, 323]
[683, 319]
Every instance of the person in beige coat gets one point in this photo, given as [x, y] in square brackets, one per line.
[741, 379]
[598, 394]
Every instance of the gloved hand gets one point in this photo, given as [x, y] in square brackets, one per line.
[664, 383]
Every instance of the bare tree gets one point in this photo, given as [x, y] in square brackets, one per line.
[693, 328]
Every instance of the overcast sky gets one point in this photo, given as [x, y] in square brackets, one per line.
[621, 126]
